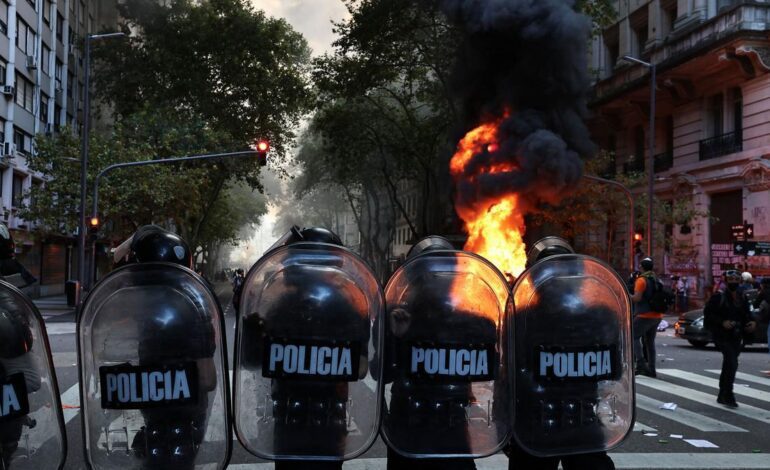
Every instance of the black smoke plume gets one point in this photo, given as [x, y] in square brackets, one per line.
[528, 58]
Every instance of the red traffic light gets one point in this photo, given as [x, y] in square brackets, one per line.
[94, 222]
[638, 236]
[262, 147]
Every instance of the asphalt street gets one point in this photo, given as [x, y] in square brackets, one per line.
[687, 378]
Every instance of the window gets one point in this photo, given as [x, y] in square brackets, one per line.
[668, 15]
[58, 73]
[25, 37]
[737, 110]
[612, 50]
[2, 141]
[57, 116]
[91, 24]
[32, 4]
[43, 108]
[81, 12]
[59, 26]
[20, 139]
[70, 79]
[47, 11]
[3, 17]
[36, 184]
[715, 115]
[18, 190]
[3, 66]
[639, 35]
[45, 58]
[24, 92]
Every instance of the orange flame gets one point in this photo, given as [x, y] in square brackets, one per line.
[495, 227]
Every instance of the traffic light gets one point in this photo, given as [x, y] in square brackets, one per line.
[262, 147]
[93, 224]
[638, 237]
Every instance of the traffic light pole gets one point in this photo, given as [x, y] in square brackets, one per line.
[208, 156]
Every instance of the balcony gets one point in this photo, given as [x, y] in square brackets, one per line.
[664, 161]
[720, 145]
[634, 165]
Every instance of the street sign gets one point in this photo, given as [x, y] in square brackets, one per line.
[743, 248]
[748, 231]
[739, 233]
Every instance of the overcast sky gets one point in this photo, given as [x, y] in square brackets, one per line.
[313, 19]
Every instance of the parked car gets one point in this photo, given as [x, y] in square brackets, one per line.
[690, 327]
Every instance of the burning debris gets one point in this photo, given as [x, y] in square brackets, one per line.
[522, 81]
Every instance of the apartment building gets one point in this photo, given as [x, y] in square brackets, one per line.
[42, 69]
[712, 122]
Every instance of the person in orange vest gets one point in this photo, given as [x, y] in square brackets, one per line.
[646, 320]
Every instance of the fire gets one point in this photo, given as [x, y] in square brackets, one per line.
[495, 226]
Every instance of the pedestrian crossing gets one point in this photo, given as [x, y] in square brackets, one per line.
[697, 415]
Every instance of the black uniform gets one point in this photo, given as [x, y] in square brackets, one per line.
[721, 307]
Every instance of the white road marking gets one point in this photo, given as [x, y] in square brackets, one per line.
[685, 417]
[57, 328]
[643, 427]
[70, 402]
[746, 377]
[701, 461]
[714, 383]
[748, 411]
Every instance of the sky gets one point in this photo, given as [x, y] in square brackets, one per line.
[313, 19]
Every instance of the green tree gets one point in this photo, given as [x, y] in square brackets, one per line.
[222, 60]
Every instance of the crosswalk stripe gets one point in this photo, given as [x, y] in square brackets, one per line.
[747, 411]
[745, 377]
[685, 417]
[643, 427]
[713, 383]
[701, 461]
[70, 401]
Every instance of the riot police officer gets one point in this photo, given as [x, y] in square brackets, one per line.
[15, 343]
[573, 397]
[446, 311]
[303, 339]
[168, 334]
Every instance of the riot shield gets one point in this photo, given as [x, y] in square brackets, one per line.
[574, 387]
[153, 371]
[446, 392]
[31, 425]
[307, 359]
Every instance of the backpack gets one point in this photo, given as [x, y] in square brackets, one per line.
[662, 297]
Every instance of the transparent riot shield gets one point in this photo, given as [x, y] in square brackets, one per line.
[308, 362]
[574, 387]
[31, 425]
[447, 391]
[153, 371]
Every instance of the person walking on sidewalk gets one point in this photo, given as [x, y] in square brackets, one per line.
[646, 319]
[727, 316]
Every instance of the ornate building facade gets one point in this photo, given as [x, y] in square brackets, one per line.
[712, 123]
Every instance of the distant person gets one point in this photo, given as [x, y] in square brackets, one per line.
[728, 318]
[238, 279]
[762, 304]
[9, 265]
[747, 283]
[682, 294]
[646, 319]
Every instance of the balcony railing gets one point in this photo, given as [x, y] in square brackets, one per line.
[635, 165]
[664, 161]
[721, 145]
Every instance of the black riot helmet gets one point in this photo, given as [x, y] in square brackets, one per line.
[548, 246]
[152, 243]
[312, 234]
[646, 264]
[429, 243]
[15, 337]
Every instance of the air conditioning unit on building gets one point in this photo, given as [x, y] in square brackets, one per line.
[9, 150]
[8, 90]
[31, 62]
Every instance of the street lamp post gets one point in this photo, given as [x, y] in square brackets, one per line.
[84, 153]
[651, 160]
